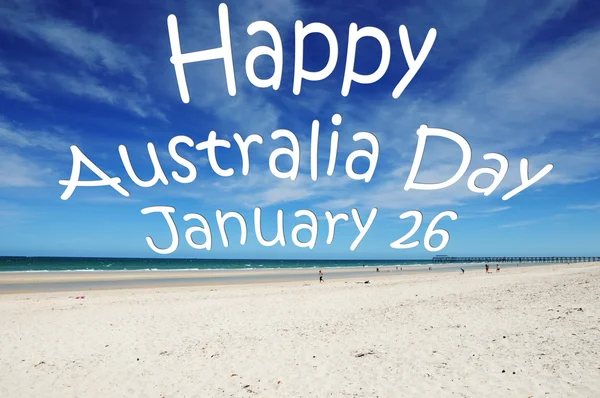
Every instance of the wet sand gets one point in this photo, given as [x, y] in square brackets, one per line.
[21, 282]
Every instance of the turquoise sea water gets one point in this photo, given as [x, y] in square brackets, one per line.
[31, 264]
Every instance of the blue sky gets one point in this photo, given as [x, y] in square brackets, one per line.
[520, 79]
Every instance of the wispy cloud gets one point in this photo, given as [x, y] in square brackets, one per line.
[90, 197]
[262, 189]
[595, 206]
[89, 87]
[534, 98]
[335, 204]
[518, 224]
[507, 110]
[19, 137]
[33, 21]
[17, 171]
[11, 89]
[484, 213]
[555, 217]
[571, 166]
[538, 89]
[14, 91]
[28, 156]
[534, 93]
[252, 110]
[495, 209]
[90, 54]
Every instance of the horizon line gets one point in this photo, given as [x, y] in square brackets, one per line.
[289, 259]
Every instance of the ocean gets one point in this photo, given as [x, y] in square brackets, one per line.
[66, 264]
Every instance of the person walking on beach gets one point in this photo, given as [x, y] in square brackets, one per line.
[497, 268]
[321, 276]
[487, 269]
[462, 270]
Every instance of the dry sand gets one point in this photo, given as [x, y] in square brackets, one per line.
[523, 332]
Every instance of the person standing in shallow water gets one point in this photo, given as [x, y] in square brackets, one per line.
[321, 276]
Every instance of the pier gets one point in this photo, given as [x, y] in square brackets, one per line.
[560, 259]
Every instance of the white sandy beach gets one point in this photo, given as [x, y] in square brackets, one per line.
[523, 332]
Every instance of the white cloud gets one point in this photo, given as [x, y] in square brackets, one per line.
[14, 91]
[89, 87]
[518, 224]
[501, 100]
[93, 54]
[251, 110]
[31, 20]
[550, 94]
[104, 199]
[495, 209]
[17, 171]
[511, 111]
[11, 89]
[571, 166]
[335, 204]
[262, 189]
[481, 116]
[13, 135]
[595, 206]
[498, 110]
[484, 213]
[386, 191]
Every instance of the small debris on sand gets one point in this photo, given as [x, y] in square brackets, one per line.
[362, 354]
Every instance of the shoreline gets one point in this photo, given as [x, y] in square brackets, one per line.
[19, 282]
[246, 269]
[63, 281]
